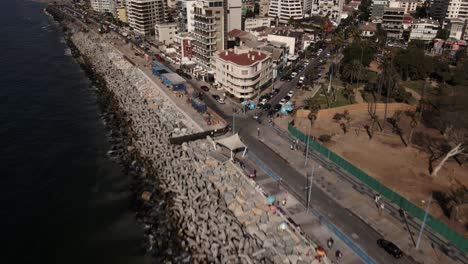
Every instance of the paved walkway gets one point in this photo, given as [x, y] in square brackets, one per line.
[310, 225]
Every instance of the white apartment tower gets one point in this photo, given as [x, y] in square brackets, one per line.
[264, 5]
[449, 9]
[208, 26]
[283, 10]
[144, 14]
[103, 6]
[306, 7]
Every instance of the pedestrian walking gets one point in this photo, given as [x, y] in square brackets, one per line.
[292, 146]
[330, 243]
[377, 199]
[258, 132]
[381, 209]
[338, 254]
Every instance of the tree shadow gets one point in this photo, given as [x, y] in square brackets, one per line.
[444, 202]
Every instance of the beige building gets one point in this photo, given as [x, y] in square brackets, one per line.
[144, 14]
[121, 13]
[264, 5]
[424, 29]
[165, 33]
[242, 72]
[251, 23]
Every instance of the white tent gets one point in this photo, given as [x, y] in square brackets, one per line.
[233, 143]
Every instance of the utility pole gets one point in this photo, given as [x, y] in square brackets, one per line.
[233, 121]
[424, 221]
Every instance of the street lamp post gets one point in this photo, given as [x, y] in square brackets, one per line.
[424, 221]
[309, 187]
[307, 147]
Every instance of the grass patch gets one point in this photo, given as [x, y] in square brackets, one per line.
[321, 100]
[416, 86]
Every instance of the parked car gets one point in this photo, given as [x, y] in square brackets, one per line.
[205, 88]
[293, 75]
[221, 101]
[277, 107]
[282, 102]
[290, 93]
[266, 106]
[216, 97]
[391, 248]
[287, 98]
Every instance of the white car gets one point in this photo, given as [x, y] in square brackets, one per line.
[283, 101]
[293, 75]
[221, 101]
[290, 93]
[328, 54]
[302, 78]
[320, 50]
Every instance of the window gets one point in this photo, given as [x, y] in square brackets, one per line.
[245, 72]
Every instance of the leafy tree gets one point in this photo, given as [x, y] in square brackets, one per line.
[359, 50]
[412, 63]
[443, 33]
[388, 82]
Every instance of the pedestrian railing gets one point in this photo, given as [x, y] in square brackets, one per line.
[436, 225]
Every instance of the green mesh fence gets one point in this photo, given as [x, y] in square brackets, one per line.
[456, 239]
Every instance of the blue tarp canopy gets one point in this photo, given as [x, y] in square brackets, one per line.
[286, 108]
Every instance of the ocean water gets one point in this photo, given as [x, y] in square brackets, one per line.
[62, 199]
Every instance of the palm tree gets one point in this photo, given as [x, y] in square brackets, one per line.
[352, 71]
[388, 80]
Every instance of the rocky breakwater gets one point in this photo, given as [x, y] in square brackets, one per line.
[208, 229]
[248, 203]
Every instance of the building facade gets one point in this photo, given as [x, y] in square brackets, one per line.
[328, 8]
[457, 9]
[392, 22]
[458, 29]
[208, 27]
[242, 72]
[234, 14]
[264, 5]
[251, 23]
[103, 6]
[165, 33]
[144, 14]
[424, 29]
[184, 47]
[283, 10]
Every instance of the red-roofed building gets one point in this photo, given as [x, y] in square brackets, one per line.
[242, 72]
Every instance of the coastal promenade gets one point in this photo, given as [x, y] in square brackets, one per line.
[211, 227]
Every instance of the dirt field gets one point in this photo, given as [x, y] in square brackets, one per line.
[385, 157]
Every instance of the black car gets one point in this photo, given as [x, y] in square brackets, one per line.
[205, 88]
[216, 97]
[391, 248]
[266, 106]
[277, 108]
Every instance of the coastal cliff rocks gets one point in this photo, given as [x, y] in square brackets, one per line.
[218, 214]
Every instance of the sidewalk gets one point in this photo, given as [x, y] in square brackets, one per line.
[355, 197]
[310, 226]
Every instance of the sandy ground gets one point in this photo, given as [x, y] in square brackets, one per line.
[385, 157]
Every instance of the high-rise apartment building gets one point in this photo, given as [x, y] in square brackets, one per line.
[449, 9]
[208, 27]
[306, 7]
[183, 8]
[392, 22]
[284, 10]
[144, 14]
[103, 6]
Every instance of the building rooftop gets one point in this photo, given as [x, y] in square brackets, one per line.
[242, 57]
[368, 27]
[426, 21]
